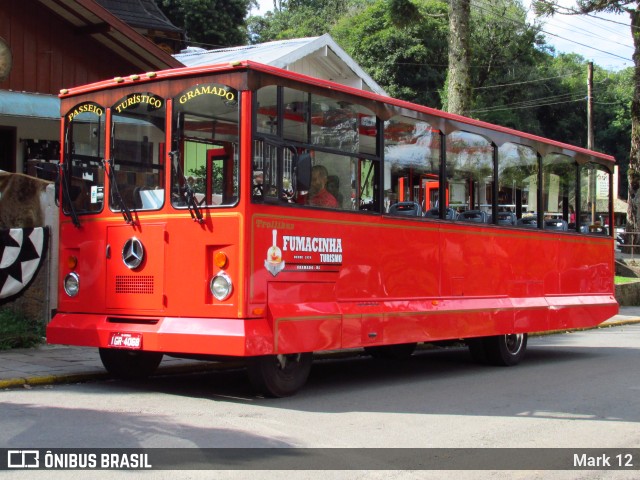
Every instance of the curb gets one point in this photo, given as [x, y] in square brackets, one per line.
[51, 380]
[212, 366]
[86, 377]
[606, 324]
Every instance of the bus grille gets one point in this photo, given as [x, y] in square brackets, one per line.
[142, 284]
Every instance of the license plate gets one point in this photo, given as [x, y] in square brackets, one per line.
[132, 341]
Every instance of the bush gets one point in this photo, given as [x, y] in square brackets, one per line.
[620, 280]
[18, 331]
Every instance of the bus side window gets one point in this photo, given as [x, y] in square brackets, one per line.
[324, 179]
[412, 164]
[364, 194]
[470, 175]
[333, 187]
[558, 194]
[594, 213]
[517, 186]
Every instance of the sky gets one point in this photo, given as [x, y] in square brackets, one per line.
[605, 40]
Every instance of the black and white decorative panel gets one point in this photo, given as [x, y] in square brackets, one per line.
[22, 250]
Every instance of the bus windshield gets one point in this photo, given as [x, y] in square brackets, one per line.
[138, 152]
[84, 153]
[205, 140]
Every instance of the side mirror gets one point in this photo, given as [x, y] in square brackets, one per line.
[57, 189]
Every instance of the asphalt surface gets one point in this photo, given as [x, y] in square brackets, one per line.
[51, 364]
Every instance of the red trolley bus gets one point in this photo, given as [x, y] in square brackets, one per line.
[241, 210]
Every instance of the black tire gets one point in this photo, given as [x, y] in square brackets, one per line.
[129, 364]
[279, 375]
[391, 352]
[506, 350]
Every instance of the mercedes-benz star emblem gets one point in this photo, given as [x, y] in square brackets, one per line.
[132, 253]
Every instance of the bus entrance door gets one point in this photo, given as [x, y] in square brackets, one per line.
[135, 265]
[219, 183]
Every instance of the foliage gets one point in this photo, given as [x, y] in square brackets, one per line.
[209, 23]
[199, 175]
[621, 280]
[507, 52]
[18, 331]
[551, 7]
[564, 118]
[632, 7]
[518, 80]
[297, 19]
[613, 94]
[459, 97]
[408, 62]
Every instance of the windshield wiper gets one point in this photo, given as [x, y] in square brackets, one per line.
[115, 193]
[192, 203]
[62, 178]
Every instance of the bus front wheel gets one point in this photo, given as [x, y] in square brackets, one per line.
[279, 375]
[129, 364]
[501, 350]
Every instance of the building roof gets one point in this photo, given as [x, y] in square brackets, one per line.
[320, 56]
[89, 17]
[32, 105]
[139, 13]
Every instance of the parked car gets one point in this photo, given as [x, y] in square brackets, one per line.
[620, 236]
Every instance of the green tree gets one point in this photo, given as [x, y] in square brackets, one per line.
[563, 116]
[407, 59]
[459, 75]
[613, 95]
[632, 8]
[403, 45]
[507, 53]
[517, 79]
[210, 23]
[298, 18]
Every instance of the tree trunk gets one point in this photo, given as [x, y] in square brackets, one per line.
[634, 157]
[459, 89]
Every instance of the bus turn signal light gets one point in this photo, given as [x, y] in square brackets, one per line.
[72, 262]
[220, 259]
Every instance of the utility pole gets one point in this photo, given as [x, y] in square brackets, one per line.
[590, 105]
[592, 176]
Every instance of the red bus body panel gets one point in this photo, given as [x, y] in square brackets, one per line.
[397, 281]
[344, 279]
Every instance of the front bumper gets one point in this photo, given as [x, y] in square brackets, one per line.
[202, 336]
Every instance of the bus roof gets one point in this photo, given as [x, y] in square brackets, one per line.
[256, 66]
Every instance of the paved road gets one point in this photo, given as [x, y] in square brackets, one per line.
[578, 390]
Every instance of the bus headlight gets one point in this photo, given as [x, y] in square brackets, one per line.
[221, 286]
[72, 284]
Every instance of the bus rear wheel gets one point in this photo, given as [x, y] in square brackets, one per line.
[279, 375]
[129, 364]
[501, 350]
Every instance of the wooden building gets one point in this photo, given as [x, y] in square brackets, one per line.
[47, 45]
